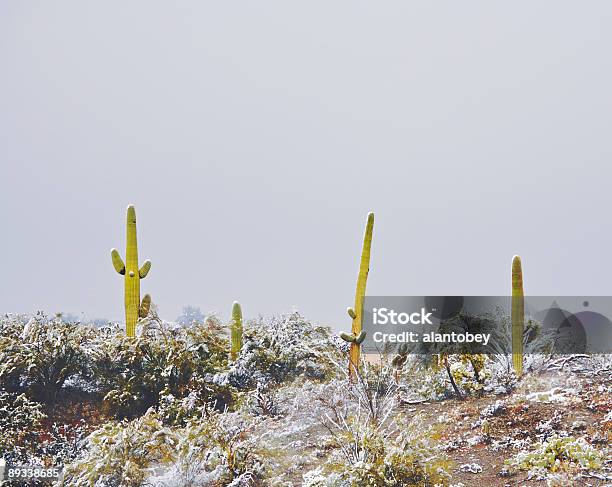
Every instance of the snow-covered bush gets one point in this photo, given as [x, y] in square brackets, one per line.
[213, 448]
[281, 349]
[217, 448]
[123, 453]
[439, 377]
[422, 381]
[469, 372]
[19, 419]
[176, 411]
[369, 455]
[558, 454]
[502, 378]
[320, 478]
[10, 370]
[262, 402]
[371, 442]
[61, 442]
[28, 438]
[132, 373]
[41, 356]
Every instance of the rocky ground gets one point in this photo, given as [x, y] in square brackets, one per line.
[543, 406]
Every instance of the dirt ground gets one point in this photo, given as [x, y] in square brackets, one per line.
[519, 419]
[582, 415]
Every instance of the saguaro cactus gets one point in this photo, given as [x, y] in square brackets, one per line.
[518, 315]
[236, 329]
[133, 275]
[357, 335]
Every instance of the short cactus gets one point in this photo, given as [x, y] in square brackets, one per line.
[236, 330]
[145, 306]
[133, 307]
[357, 335]
[518, 315]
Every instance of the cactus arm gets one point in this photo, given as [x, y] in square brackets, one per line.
[117, 262]
[144, 270]
[145, 306]
[236, 330]
[518, 315]
[348, 337]
[364, 268]
[360, 338]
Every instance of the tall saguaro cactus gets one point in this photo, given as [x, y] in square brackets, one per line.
[236, 329]
[133, 275]
[518, 315]
[357, 335]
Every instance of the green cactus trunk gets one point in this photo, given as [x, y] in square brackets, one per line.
[133, 275]
[236, 330]
[518, 315]
[357, 312]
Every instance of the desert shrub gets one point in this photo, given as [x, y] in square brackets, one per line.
[212, 448]
[123, 453]
[501, 377]
[27, 436]
[132, 373]
[370, 443]
[470, 372]
[423, 381]
[320, 478]
[558, 454]
[262, 402]
[438, 377]
[12, 364]
[176, 411]
[19, 420]
[61, 442]
[43, 355]
[281, 349]
[218, 449]
[367, 454]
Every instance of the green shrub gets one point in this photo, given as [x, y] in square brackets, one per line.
[558, 454]
[371, 442]
[408, 459]
[122, 453]
[43, 355]
[281, 349]
[211, 449]
[19, 420]
[132, 372]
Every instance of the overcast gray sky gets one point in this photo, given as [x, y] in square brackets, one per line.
[254, 137]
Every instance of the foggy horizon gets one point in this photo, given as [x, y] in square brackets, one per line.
[254, 141]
